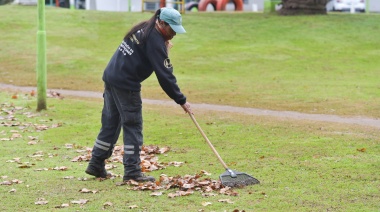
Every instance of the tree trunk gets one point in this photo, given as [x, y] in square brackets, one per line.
[303, 7]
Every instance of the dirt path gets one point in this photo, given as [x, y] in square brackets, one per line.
[223, 108]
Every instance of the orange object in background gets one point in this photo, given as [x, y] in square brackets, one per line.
[202, 5]
[219, 5]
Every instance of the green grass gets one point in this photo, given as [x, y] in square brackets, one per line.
[302, 166]
[313, 64]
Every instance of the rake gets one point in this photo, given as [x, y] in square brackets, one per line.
[230, 178]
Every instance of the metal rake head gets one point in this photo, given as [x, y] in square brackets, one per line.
[233, 178]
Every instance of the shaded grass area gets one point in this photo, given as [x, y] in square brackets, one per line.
[302, 165]
[312, 64]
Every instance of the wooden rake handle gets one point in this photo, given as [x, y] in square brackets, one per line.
[208, 141]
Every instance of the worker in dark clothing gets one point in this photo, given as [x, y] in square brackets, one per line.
[143, 50]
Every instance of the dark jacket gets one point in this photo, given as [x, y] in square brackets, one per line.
[135, 61]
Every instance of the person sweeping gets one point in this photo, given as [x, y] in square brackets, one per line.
[144, 50]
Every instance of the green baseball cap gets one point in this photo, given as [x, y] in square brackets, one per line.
[173, 18]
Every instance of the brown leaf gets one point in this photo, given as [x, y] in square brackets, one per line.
[209, 194]
[16, 181]
[362, 150]
[69, 146]
[85, 190]
[63, 205]
[206, 203]
[16, 135]
[12, 190]
[6, 183]
[226, 200]
[159, 193]
[80, 201]
[33, 137]
[133, 206]
[24, 166]
[164, 150]
[42, 169]
[107, 204]
[62, 168]
[110, 166]
[41, 201]
[175, 163]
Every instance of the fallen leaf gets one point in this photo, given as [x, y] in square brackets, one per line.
[85, 190]
[42, 169]
[62, 168]
[16, 135]
[159, 193]
[206, 173]
[33, 137]
[164, 150]
[209, 194]
[82, 178]
[110, 166]
[24, 166]
[64, 205]
[6, 183]
[107, 204]
[16, 181]
[362, 150]
[80, 201]
[175, 163]
[12, 190]
[133, 206]
[41, 201]
[206, 203]
[226, 200]
[36, 156]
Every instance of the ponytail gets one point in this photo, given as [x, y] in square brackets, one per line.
[146, 26]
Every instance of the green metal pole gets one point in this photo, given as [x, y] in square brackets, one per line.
[72, 4]
[367, 6]
[41, 57]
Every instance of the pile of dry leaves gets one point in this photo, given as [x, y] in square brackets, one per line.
[186, 185]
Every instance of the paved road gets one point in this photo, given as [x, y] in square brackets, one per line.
[364, 121]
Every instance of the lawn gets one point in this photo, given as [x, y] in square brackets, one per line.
[302, 166]
[313, 64]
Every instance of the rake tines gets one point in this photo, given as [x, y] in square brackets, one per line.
[237, 179]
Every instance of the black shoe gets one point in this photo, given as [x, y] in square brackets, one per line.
[139, 178]
[97, 172]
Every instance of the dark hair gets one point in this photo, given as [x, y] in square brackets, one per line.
[147, 26]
